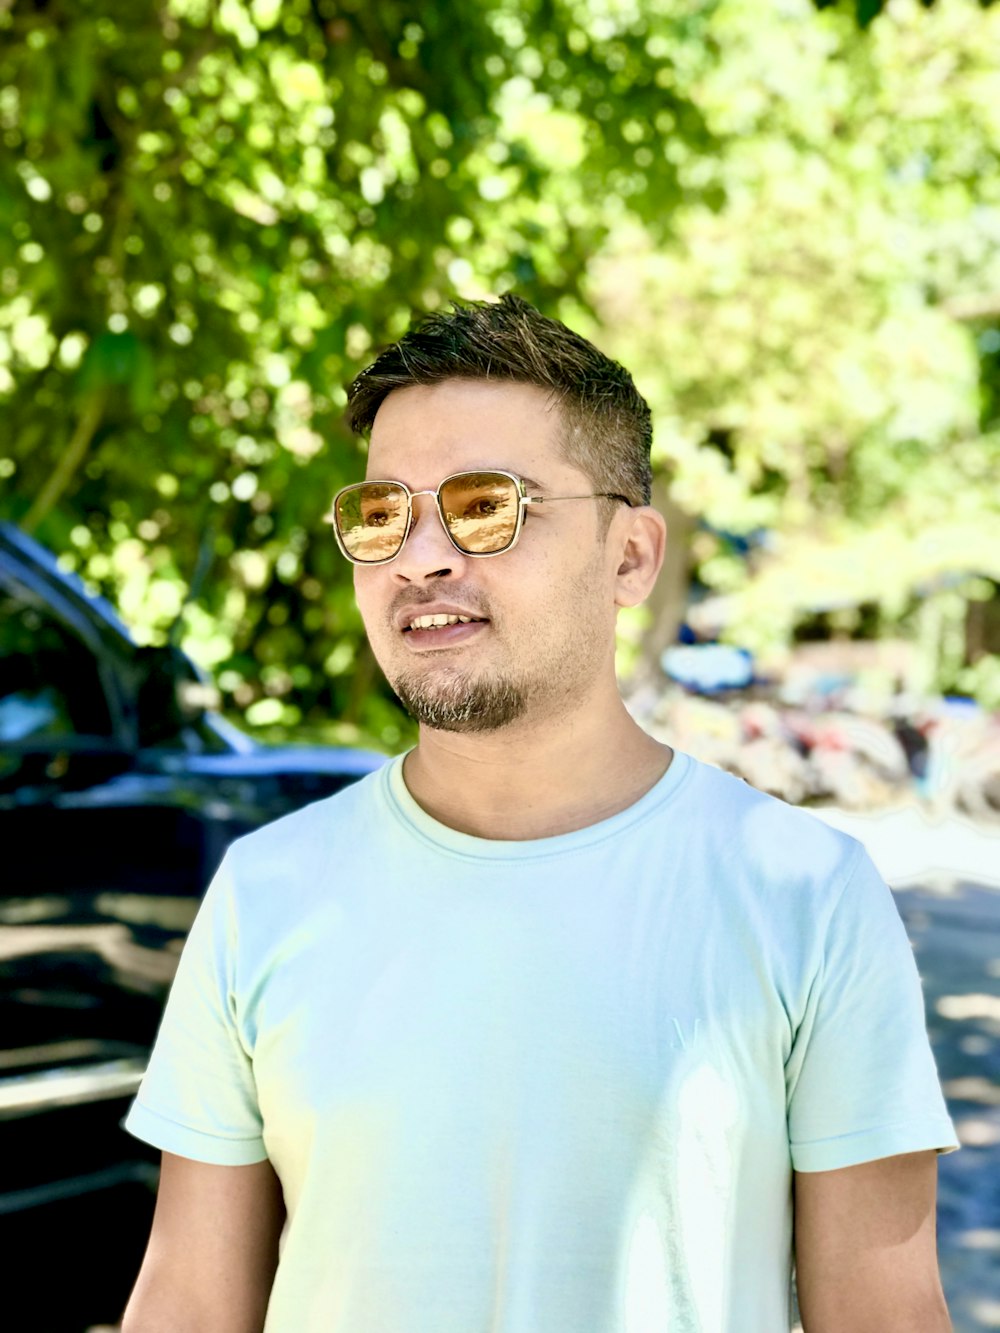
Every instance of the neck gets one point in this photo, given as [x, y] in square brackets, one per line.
[536, 779]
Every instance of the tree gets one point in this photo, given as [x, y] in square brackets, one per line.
[809, 347]
[212, 210]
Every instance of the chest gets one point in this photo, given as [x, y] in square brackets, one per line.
[452, 1016]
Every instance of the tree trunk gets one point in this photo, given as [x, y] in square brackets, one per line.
[668, 601]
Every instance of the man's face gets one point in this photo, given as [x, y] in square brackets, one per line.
[544, 611]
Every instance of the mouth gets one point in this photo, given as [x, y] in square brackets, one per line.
[442, 630]
[441, 620]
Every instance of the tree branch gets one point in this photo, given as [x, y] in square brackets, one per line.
[70, 460]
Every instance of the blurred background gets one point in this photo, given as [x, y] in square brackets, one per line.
[783, 218]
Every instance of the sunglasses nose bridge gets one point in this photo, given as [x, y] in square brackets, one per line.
[414, 515]
[415, 495]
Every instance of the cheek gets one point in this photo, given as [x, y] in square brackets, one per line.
[590, 592]
[367, 598]
[563, 598]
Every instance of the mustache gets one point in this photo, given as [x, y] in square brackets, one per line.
[408, 599]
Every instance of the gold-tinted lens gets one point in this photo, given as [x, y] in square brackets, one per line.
[371, 519]
[481, 511]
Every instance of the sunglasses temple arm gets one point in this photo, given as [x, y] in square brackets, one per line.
[597, 495]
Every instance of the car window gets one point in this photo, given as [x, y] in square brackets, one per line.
[50, 688]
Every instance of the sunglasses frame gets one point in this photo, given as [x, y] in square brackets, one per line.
[523, 500]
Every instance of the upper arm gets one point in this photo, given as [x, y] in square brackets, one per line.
[212, 1252]
[861, 1081]
[866, 1249]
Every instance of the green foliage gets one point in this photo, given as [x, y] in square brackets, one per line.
[212, 211]
[822, 350]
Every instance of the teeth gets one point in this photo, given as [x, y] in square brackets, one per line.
[433, 622]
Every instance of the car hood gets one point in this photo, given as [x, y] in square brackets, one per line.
[279, 759]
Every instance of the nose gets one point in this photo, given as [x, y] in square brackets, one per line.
[427, 552]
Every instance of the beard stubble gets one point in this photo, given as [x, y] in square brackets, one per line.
[462, 705]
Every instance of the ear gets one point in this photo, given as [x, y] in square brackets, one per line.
[640, 543]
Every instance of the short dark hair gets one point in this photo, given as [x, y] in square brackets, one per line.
[608, 428]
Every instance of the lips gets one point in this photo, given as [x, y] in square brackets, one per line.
[456, 625]
[444, 636]
[447, 616]
[440, 622]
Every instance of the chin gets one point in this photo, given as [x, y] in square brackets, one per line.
[462, 705]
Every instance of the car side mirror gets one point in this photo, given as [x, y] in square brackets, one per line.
[171, 696]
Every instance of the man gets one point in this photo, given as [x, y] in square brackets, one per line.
[542, 1028]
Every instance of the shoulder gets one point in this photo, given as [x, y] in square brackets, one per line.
[306, 840]
[767, 841]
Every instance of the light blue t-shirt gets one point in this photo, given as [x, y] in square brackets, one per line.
[552, 1086]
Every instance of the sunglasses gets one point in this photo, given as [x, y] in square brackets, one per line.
[482, 513]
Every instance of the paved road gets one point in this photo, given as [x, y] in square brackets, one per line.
[946, 879]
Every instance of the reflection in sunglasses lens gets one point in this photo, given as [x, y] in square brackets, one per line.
[481, 511]
[371, 520]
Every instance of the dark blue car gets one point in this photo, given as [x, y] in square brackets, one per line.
[120, 788]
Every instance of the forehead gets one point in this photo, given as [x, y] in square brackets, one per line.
[425, 432]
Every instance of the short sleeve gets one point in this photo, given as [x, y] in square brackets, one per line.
[861, 1079]
[197, 1098]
